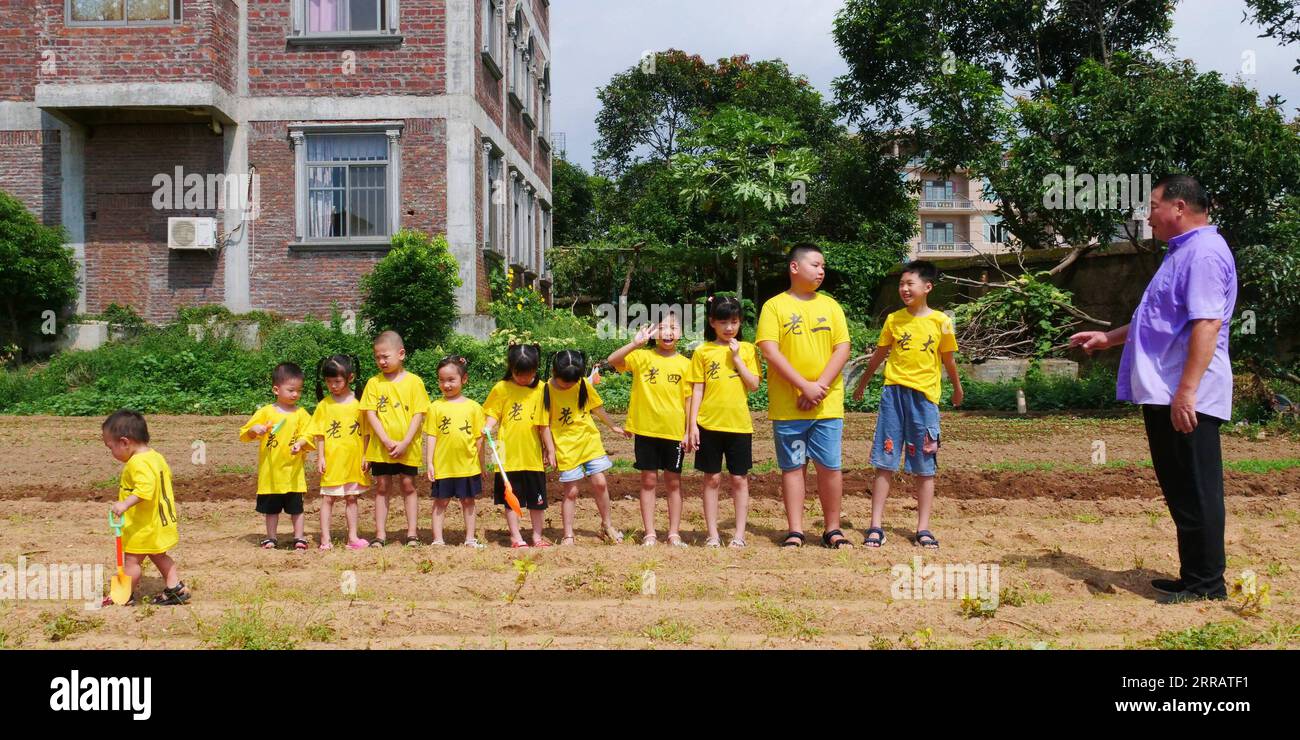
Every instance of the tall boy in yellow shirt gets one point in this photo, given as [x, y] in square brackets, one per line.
[395, 403]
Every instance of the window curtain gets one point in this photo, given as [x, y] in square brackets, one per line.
[323, 16]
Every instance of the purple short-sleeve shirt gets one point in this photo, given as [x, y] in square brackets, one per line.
[1196, 280]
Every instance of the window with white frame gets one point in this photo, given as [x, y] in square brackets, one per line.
[518, 37]
[516, 218]
[349, 18]
[122, 12]
[994, 230]
[530, 241]
[491, 31]
[495, 191]
[544, 117]
[347, 183]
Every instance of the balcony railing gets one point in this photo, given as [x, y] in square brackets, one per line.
[955, 202]
[941, 247]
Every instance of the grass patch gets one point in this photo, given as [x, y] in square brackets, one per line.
[1210, 636]
[670, 631]
[783, 621]
[320, 632]
[594, 579]
[1261, 466]
[248, 629]
[1087, 518]
[65, 625]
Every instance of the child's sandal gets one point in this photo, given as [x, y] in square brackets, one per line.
[737, 543]
[793, 539]
[829, 540]
[927, 540]
[412, 541]
[268, 544]
[879, 538]
[676, 541]
[299, 543]
[174, 596]
[378, 542]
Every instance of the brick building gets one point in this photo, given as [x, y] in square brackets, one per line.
[344, 120]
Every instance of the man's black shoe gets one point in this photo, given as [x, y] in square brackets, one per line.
[1168, 585]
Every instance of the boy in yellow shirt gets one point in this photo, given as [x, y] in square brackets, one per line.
[147, 504]
[916, 339]
[282, 430]
[805, 339]
[395, 403]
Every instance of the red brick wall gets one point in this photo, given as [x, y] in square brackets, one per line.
[296, 283]
[127, 259]
[201, 48]
[30, 171]
[487, 88]
[19, 60]
[542, 164]
[542, 16]
[416, 67]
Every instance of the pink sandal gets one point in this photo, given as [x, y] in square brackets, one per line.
[326, 545]
[358, 544]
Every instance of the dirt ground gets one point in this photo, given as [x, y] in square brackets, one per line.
[1075, 545]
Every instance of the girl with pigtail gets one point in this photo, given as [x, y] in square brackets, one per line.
[523, 440]
[340, 432]
[570, 402]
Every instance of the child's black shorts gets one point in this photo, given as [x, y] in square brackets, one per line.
[381, 468]
[737, 447]
[275, 503]
[657, 453]
[469, 486]
[529, 487]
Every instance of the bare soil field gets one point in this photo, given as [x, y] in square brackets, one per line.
[1075, 544]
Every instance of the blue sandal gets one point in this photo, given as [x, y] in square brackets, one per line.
[878, 542]
[927, 540]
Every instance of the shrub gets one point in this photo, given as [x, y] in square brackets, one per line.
[412, 290]
[37, 273]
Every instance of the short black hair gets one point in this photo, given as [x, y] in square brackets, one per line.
[798, 251]
[1185, 188]
[286, 371]
[924, 269]
[129, 424]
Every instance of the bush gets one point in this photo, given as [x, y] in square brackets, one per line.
[37, 274]
[412, 290]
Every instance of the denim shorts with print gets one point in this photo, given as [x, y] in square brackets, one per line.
[591, 467]
[907, 431]
[799, 439]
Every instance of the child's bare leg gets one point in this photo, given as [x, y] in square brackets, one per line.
[439, 514]
[600, 490]
[830, 490]
[299, 525]
[568, 507]
[381, 506]
[924, 501]
[512, 522]
[467, 508]
[880, 492]
[272, 525]
[792, 492]
[649, 482]
[538, 518]
[326, 514]
[740, 495]
[350, 512]
[673, 482]
[167, 567]
[712, 484]
[131, 566]
[411, 502]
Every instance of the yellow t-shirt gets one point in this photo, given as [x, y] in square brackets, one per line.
[725, 404]
[577, 440]
[659, 391]
[343, 427]
[806, 332]
[455, 427]
[396, 402]
[518, 411]
[278, 470]
[917, 341]
[149, 527]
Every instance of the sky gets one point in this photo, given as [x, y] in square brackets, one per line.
[592, 40]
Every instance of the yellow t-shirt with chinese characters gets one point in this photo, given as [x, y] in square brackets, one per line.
[577, 440]
[278, 469]
[659, 391]
[916, 344]
[518, 411]
[149, 527]
[395, 402]
[343, 428]
[455, 427]
[724, 407]
[807, 333]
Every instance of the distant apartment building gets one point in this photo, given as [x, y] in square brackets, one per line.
[327, 125]
[958, 216]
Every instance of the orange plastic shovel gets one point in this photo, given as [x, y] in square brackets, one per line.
[119, 589]
[511, 500]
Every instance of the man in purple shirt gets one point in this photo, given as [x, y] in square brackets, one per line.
[1176, 366]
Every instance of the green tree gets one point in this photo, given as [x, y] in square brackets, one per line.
[745, 168]
[37, 273]
[1280, 20]
[412, 290]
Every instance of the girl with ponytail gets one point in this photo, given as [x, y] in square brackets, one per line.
[341, 435]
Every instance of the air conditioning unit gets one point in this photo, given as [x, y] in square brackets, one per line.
[190, 232]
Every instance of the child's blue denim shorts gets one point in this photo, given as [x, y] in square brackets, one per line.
[591, 467]
[906, 421]
[799, 439]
